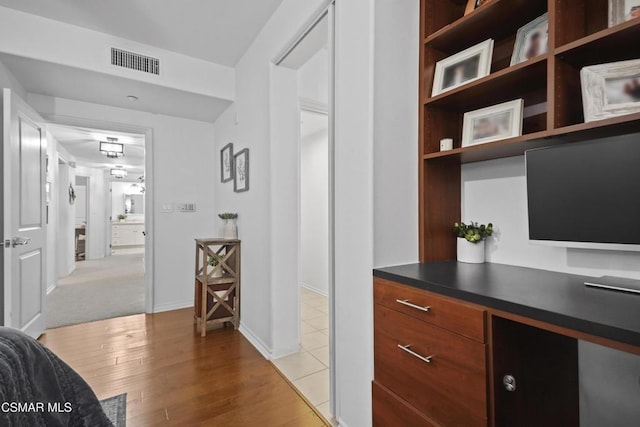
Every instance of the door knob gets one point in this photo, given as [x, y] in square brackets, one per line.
[20, 241]
[509, 382]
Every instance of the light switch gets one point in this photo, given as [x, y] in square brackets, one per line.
[166, 208]
[187, 207]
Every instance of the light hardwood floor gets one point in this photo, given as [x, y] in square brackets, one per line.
[172, 376]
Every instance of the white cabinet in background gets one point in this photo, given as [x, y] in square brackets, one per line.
[127, 234]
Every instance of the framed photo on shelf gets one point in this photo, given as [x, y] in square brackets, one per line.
[463, 67]
[531, 40]
[241, 175]
[226, 163]
[610, 90]
[623, 10]
[474, 4]
[493, 123]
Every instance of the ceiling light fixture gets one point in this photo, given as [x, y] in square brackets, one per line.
[111, 148]
[132, 98]
[118, 173]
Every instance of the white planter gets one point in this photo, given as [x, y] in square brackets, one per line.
[230, 229]
[217, 272]
[472, 253]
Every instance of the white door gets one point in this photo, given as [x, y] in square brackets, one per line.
[24, 174]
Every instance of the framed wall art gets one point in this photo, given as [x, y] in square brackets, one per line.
[226, 163]
[241, 175]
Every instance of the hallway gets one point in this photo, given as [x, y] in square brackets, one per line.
[98, 289]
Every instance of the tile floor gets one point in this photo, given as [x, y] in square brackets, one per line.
[308, 370]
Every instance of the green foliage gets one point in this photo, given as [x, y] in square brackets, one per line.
[122, 217]
[214, 261]
[472, 232]
[228, 215]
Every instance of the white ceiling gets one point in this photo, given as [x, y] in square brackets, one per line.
[84, 145]
[61, 81]
[219, 31]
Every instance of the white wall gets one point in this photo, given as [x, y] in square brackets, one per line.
[313, 78]
[91, 51]
[65, 253]
[53, 204]
[7, 80]
[248, 125]
[81, 203]
[178, 144]
[314, 208]
[97, 215]
[396, 132]
[495, 191]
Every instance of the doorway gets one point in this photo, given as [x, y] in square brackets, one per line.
[302, 82]
[102, 218]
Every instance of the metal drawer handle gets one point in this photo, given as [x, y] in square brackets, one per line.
[414, 354]
[417, 307]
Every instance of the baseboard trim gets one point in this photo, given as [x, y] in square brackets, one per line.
[277, 354]
[313, 289]
[341, 422]
[51, 288]
[159, 308]
[255, 341]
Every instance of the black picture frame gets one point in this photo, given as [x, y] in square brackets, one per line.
[241, 171]
[227, 169]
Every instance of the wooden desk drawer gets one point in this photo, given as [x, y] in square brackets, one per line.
[459, 317]
[391, 411]
[451, 388]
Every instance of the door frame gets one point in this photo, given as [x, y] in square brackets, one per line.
[149, 215]
[327, 9]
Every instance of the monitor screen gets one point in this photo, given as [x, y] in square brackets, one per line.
[586, 194]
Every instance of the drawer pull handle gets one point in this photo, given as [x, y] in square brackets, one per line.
[417, 307]
[414, 354]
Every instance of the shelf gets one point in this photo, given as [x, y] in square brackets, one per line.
[518, 145]
[613, 126]
[610, 44]
[224, 280]
[494, 150]
[494, 20]
[495, 87]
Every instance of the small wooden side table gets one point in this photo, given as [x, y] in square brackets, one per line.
[217, 283]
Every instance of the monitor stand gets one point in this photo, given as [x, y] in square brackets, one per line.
[615, 284]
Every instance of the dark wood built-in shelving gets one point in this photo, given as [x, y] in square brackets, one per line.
[549, 84]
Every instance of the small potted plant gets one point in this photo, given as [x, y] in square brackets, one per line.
[122, 217]
[471, 239]
[230, 226]
[213, 262]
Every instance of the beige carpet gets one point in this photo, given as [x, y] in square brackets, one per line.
[98, 289]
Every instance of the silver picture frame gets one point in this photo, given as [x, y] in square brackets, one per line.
[532, 40]
[241, 171]
[226, 163]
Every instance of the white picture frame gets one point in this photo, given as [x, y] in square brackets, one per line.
[622, 11]
[532, 40]
[492, 123]
[610, 90]
[463, 67]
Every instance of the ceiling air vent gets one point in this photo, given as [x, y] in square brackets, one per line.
[135, 61]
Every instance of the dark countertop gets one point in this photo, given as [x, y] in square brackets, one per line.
[556, 298]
